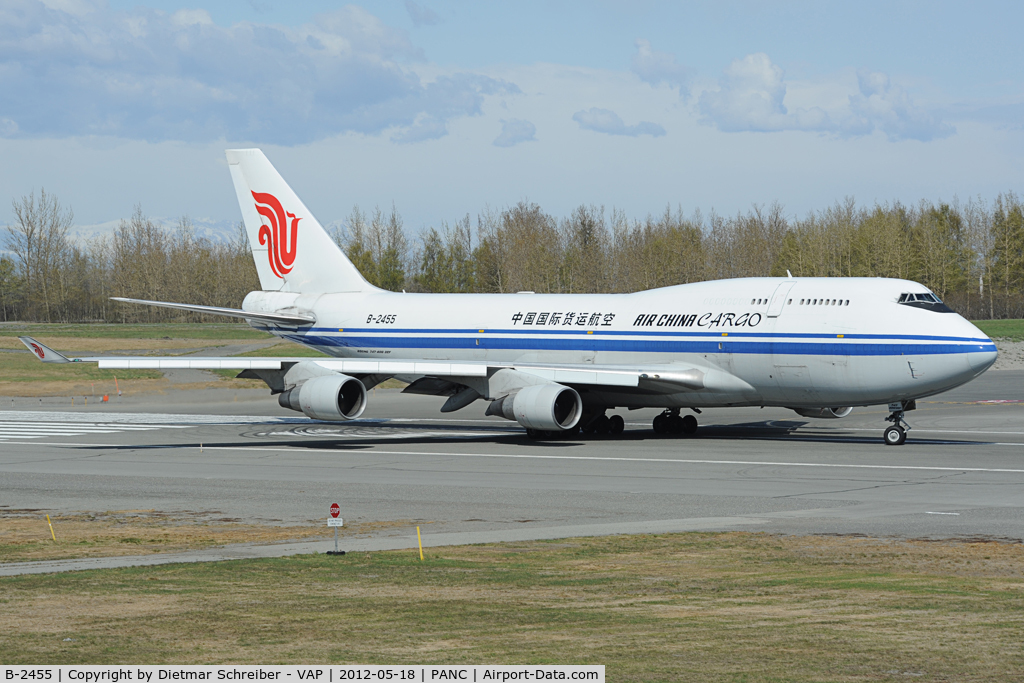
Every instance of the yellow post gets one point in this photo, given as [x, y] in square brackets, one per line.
[420, 541]
[54, 537]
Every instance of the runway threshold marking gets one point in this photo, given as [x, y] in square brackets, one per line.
[11, 429]
[928, 468]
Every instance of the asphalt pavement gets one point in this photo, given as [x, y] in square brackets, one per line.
[464, 477]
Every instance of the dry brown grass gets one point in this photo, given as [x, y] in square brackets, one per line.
[25, 536]
[76, 345]
[684, 607]
[84, 388]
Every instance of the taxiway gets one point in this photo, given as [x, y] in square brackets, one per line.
[236, 454]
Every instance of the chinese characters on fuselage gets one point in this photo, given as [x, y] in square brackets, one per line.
[564, 319]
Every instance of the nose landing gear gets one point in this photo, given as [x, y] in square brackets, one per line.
[896, 435]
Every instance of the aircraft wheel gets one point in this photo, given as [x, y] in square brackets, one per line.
[689, 425]
[533, 433]
[602, 426]
[616, 425]
[676, 424]
[571, 433]
[661, 424]
[894, 436]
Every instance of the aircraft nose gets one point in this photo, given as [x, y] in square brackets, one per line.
[982, 354]
[983, 358]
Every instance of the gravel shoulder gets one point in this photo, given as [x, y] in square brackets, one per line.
[1011, 355]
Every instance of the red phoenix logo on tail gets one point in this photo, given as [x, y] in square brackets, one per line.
[38, 351]
[282, 237]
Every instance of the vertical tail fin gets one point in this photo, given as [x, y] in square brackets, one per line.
[292, 250]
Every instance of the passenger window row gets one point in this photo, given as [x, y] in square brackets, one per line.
[824, 302]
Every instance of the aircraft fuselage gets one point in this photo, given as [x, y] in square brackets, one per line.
[790, 342]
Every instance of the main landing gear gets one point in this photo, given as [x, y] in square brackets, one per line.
[671, 422]
[603, 424]
[896, 435]
[592, 424]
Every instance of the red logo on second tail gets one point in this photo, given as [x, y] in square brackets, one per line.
[38, 351]
[281, 235]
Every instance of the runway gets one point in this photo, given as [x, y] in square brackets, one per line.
[961, 473]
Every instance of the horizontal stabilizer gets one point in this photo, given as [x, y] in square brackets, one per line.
[273, 318]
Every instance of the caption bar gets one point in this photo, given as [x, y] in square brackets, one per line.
[311, 674]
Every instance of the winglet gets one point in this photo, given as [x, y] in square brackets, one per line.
[43, 352]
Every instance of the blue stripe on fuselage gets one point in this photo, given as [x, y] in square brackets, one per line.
[721, 345]
[665, 332]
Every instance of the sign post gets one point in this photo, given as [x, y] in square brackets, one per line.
[336, 522]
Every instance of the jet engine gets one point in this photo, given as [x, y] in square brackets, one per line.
[826, 413]
[328, 397]
[546, 407]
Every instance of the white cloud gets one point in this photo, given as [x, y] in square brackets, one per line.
[191, 17]
[656, 67]
[607, 121]
[147, 75]
[752, 91]
[420, 15]
[750, 97]
[75, 7]
[424, 128]
[885, 106]
[515, 131]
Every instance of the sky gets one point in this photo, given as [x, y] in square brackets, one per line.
[444, 109]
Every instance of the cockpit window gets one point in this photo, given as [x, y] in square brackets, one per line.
[910, 296]
[925, 300]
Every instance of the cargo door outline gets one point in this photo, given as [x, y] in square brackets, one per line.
[778, 300]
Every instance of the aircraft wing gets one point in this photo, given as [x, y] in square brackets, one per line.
[667, 378]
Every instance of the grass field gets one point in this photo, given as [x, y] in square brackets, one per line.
[24, 368]
[25, 534]
[141, 331]
[285, 349]
[686, 607]
[21, 374]
[1002, 329]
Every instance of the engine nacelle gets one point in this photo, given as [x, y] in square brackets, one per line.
[547, 407]
[328, 397]
[825, 413]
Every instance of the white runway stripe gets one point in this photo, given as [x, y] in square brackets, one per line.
[81, 427]
[121, 420]
[6, 436]
[19, 427]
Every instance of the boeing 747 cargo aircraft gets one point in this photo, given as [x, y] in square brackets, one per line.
[557, 363]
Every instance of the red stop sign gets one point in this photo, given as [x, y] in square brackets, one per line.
[335, 510]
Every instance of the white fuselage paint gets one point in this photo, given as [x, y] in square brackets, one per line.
[772, 352]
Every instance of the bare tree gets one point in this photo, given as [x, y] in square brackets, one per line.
[39, 241]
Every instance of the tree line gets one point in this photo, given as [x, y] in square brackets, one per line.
[971, 254]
